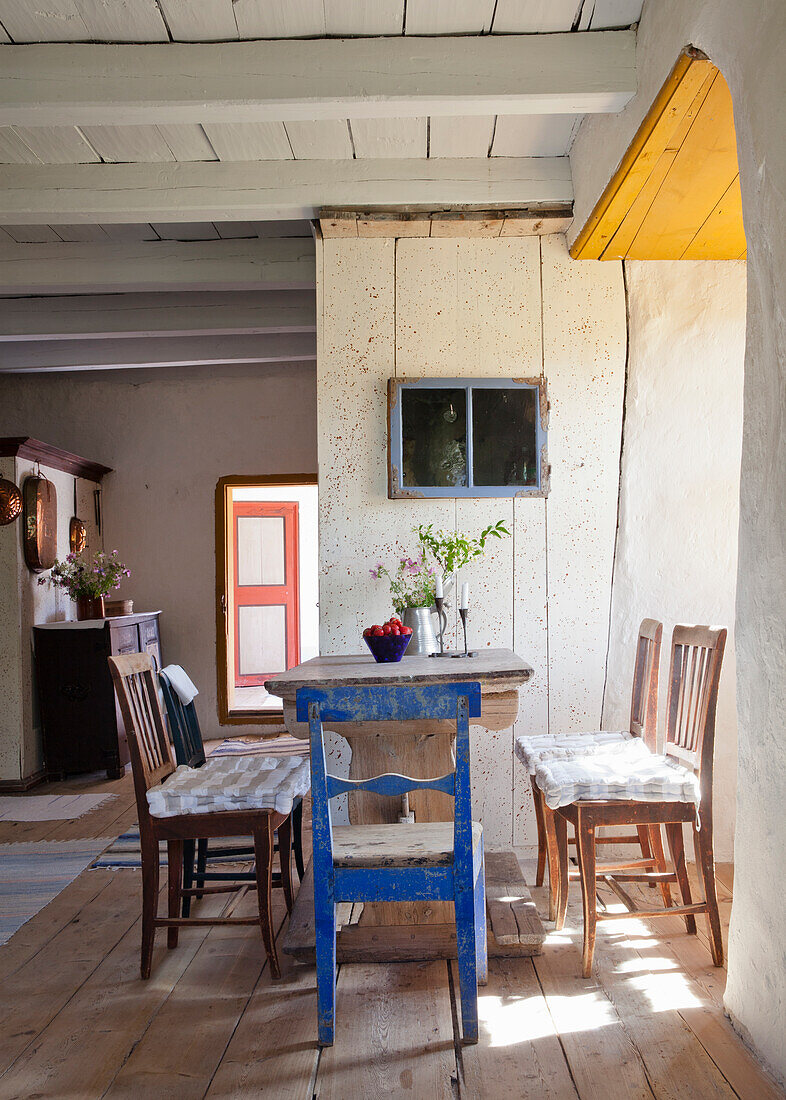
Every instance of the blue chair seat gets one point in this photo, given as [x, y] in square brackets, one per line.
[426, 845]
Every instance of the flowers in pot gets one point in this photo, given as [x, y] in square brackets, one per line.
[451, 550]
[88, 581]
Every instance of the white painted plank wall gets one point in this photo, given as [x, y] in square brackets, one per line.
[473, 307]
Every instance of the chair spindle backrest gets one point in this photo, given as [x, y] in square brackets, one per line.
[148, 743]
[694, 676]
[380, 703]
[644, 697]
[183, 725]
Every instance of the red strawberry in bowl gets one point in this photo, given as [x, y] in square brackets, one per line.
[389, 641]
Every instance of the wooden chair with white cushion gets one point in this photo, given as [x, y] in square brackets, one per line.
[435, 860]
[533, 750]
[248, 797]
[648, 789]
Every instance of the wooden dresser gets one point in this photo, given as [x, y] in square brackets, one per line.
[82, 726]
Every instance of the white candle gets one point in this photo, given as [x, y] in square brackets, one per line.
[438, 593]
[464, 596]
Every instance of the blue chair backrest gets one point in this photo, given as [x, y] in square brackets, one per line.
[183, 726]
[396, 703]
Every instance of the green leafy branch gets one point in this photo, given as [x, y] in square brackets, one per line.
[451, 550]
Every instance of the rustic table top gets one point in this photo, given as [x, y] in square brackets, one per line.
[495, 668]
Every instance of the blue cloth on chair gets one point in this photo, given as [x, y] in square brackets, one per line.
[440, 861]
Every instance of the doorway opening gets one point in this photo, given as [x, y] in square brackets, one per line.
[267, 589]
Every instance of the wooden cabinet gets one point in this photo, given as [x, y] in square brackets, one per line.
[82, 726]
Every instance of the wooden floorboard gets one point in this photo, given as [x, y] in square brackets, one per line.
[77, 1022]
[519, 1051]
[394, 1034]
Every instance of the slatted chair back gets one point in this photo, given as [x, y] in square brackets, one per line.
[148, 744]
[382, 703]
[694, 676]
[183, 725]
[644, 697]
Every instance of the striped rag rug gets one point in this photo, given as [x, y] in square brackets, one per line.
[126, 853]
[261, 746]
[32, 874]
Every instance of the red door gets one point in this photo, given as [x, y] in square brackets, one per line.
[267, 619]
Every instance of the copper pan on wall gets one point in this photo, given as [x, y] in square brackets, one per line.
[10, 502]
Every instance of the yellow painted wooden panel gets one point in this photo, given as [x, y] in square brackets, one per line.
[722, 237]
[703, 169]
[652, 138]
[674, 194]
[618, 246]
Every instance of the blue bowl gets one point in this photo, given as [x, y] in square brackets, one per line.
[388, 648]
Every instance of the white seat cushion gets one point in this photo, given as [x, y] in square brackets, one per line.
[232, 783]
[543, 747]
[635, 775]
[426, 845]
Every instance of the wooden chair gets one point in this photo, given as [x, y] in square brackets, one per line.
[190, 750]
[433, 860]
[643, 723]
[153, 770]
[696, 658]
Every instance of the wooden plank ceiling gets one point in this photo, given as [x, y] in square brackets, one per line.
[230, 20]
[676, 194]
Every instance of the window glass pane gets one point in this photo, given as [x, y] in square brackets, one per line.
[262, 640]
[504, 438]
[434, 437]
[260, 550]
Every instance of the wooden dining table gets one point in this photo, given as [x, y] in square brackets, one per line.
[421, 749]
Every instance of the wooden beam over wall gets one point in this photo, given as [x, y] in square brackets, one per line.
[68, 84]
[158, 351]
[259, 264]
[269, 190]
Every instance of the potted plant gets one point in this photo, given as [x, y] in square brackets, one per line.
[87, 581]
[413, 584]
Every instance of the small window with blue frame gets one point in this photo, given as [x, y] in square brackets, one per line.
[467, 437]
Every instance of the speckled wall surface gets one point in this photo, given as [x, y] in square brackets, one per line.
[494, 308]
[23, 603]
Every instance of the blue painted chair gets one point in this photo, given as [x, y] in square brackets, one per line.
[190, 750]
[440, 861]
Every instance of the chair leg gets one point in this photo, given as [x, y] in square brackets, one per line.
[150, 873]
[325, 927]
[585, 838]
[553, 857]
[656, 844]
[563, 866]
[536, 796]
[201, 864]
[467, 961]
[285, 859]
[297, 837]
[705, 863]
[644, 844]
[677, 851]
[481, 943]
[174, 858]
[263, 851]
[189, 850]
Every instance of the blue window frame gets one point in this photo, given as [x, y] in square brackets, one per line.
[467, 437]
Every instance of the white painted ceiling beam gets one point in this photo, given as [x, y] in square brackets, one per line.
[29, 357]
[405, 77]
[269, 190]
[98, 316]
[94, 268]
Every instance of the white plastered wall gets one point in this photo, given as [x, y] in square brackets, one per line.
[676, 557]
[746, 42]
[485, 308]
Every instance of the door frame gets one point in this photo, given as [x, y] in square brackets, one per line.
[224, 642]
